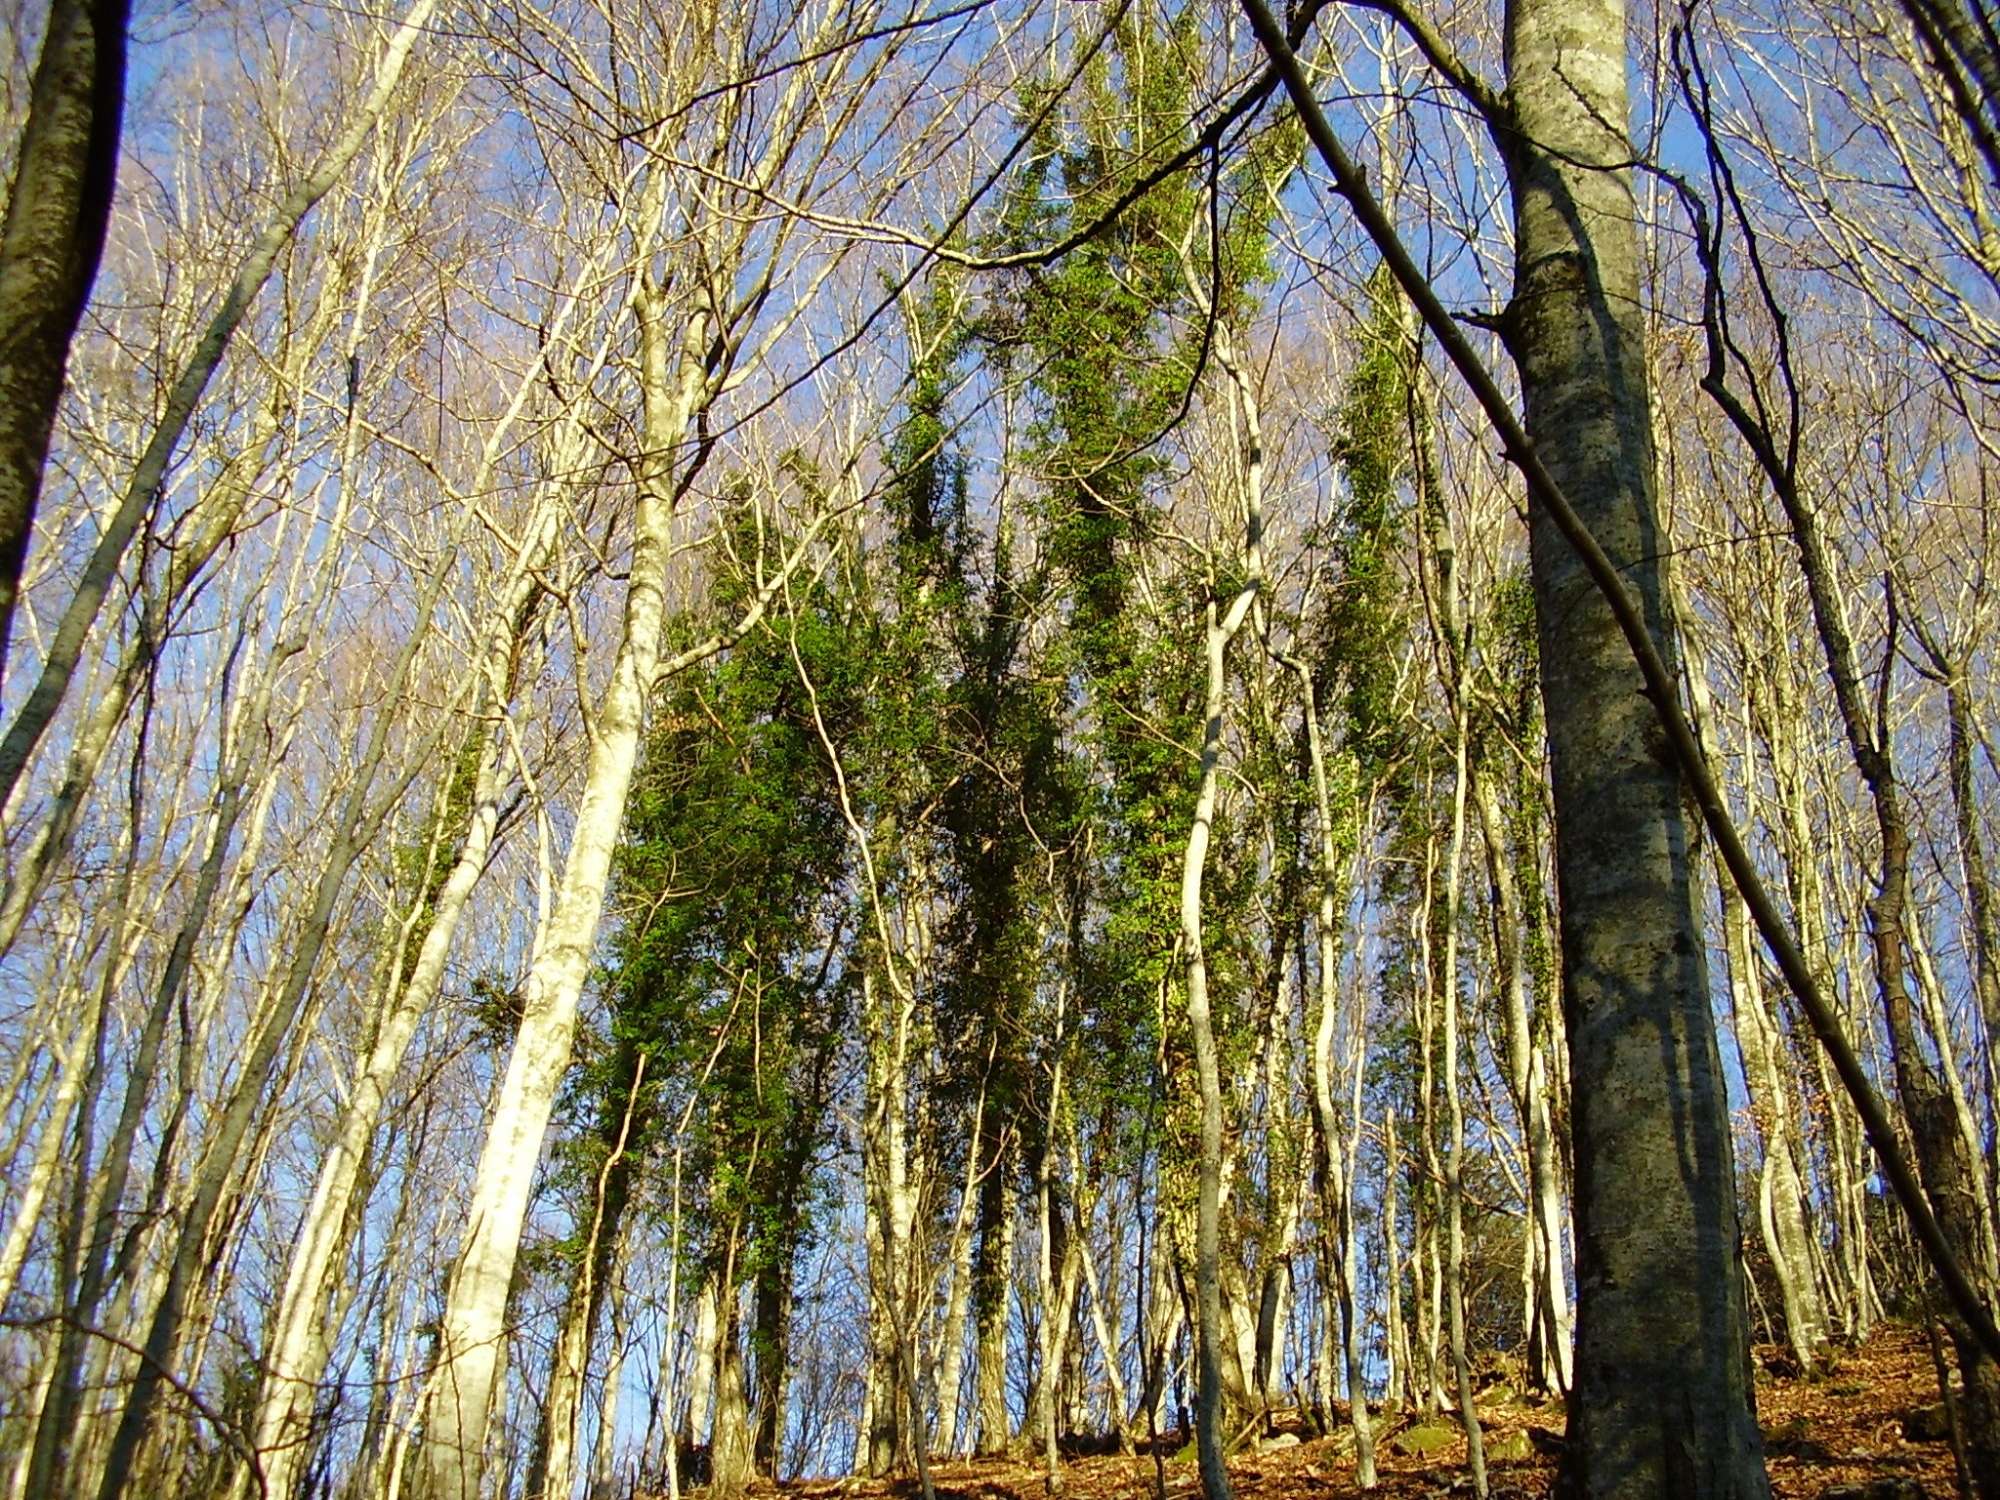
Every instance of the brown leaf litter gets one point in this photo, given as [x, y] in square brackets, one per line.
[1869, 1428]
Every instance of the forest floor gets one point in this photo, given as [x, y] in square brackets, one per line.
[1874, 1418]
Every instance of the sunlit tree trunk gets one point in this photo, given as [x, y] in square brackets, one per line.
[1778, 704]
[359, 817]
[1223, 624]
[730, 1466]
[958, 1297]
[1102, 1313]
[551, 1473]
[453, 1458]
[298, 1350]
[1336, 1196]
[1527, 1067]
[1395, 1334]
[1454, 1167]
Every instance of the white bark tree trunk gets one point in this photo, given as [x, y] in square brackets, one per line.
[298, 1349]
[474, 1325]
[1454, 1170]
[1527, 1065]
[1222, 628]
[1337, 1203]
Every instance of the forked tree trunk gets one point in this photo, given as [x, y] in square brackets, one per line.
[1663, 1405]
[1210, 1440]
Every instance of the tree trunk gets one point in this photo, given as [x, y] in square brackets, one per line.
[958, 1297]
[771, 1321]
[474, 1321]
[1454, 1175]
[1780, 1193]
[1211, 1441]
[1551, 1332]
[297, 1352]
[1775, 702]
[1395, 1332]
[603, 1456]
[50, 245]
[1663, 1404]
[1979, 892]
[730, 1465]
[696, 1429]
[1781, 1196]
[1336, 1179]
[992, 1278]
[552, 1472]
[1102, 1315]
[357, 821]
[1427, 1264]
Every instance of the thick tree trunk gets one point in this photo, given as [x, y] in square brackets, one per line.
[696, 1429]
[50, 246]
[1663, 1404]
[730, 1466]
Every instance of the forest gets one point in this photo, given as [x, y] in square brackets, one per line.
[745, 742]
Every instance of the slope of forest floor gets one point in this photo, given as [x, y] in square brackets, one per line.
[1875, 1417]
